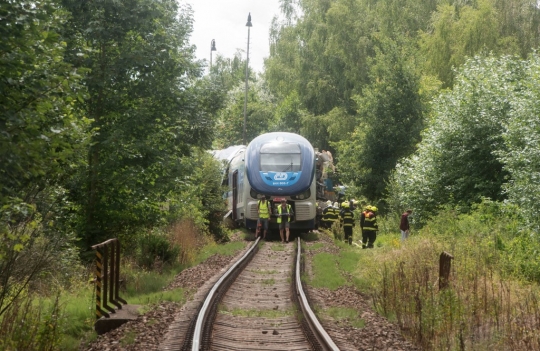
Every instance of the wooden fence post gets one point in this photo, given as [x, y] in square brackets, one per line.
[445, 264]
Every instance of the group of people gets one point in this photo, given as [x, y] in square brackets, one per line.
[368, 221]
[332, 213]
[284, 214]
[345, 215]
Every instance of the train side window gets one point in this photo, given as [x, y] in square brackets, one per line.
[225, 181]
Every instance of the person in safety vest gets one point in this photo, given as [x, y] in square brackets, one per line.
[327, 214]
[347, 220]
[362, 221]
[334, 214]
[370, 228]
[318, 218]
[263, 209]
[285, 213]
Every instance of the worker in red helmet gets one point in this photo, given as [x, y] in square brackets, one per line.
[370, 228]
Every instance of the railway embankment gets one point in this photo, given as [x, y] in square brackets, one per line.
[264, 301]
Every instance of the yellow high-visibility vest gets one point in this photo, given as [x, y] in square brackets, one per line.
[289, 211]
[264, 211]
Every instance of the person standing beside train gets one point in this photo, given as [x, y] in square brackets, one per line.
[263, 209]
[370, 228]
[327, 214]
[285, 213]
[404, 225]
[334, 217]
[347, 220]
[362, 221]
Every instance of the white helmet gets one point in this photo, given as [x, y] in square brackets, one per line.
[336, 205]
[329, 203]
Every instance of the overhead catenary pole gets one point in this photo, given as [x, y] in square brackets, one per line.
[249, 25]
[212, 48]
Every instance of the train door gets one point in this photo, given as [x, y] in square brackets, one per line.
[235, 195]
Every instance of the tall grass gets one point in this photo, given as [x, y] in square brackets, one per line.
[26, 326]
[187, 237]
[492, 301]
[483, 308]
[78, 310]
[62, 316]
[479, 310]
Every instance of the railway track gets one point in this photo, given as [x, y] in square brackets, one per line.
[257, 304]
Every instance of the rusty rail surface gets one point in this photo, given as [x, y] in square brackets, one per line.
[107, 277]
[316, 329]
[202, 329]
[207, 313]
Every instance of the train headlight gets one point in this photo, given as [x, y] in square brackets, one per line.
[254, 194]
[305, 195]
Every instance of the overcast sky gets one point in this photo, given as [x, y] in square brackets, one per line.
[225, 21]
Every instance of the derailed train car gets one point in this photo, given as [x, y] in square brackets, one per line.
[232, 160]
[277, 166]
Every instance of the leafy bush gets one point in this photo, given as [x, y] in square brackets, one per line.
[522, 257]
[155, 249]
[198, 197]
[456, 162]
[522, 140]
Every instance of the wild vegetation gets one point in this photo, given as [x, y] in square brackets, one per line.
[433, 105]
[486, 305]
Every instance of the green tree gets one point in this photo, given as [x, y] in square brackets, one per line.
[288, 114]
[459, 32]
[322, 56]
[519, 23]
[147, 113]
[39, 122]
[403, 18]
[259, 114]
[229, 72]
[390, 119]
[456, 163]
[41, 136]
[521, 157]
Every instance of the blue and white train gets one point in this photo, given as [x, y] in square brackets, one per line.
[278, 166]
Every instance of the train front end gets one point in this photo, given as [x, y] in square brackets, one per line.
[281, 166]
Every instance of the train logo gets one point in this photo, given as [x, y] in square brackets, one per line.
[280, 176]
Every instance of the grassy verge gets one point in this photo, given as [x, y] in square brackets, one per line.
[142, 287]
[488, 304]
[66, 320]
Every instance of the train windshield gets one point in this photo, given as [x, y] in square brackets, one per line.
[281, 157]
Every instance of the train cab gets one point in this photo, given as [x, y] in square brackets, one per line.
[280, 164]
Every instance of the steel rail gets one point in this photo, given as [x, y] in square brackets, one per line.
[316, 327]
[197, 333]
